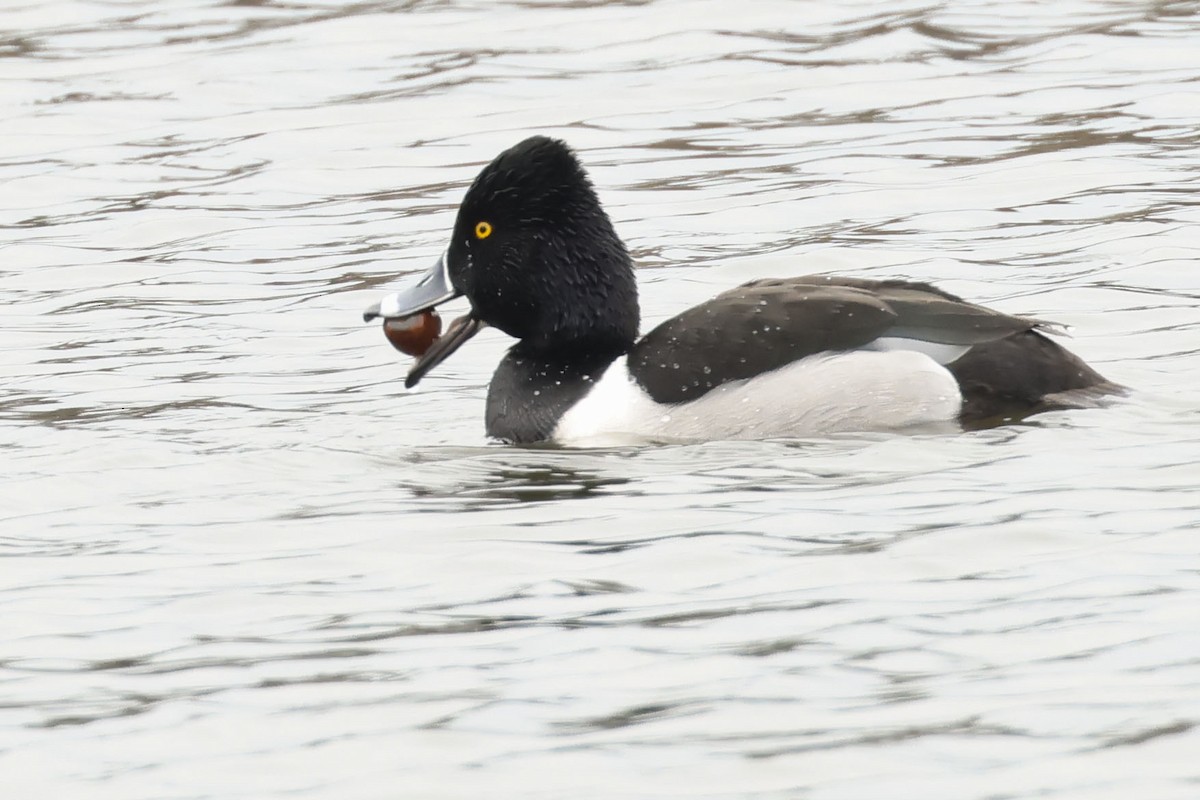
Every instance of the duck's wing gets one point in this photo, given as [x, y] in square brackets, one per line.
[927, 313]
[766, 324]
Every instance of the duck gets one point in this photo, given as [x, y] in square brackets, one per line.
[537, 257]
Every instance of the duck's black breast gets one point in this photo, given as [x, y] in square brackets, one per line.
[532, 389]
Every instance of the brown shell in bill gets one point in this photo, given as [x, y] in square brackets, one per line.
[413, 334]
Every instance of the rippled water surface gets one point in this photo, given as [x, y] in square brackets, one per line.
[243, 563]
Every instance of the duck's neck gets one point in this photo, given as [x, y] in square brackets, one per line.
[534, 387]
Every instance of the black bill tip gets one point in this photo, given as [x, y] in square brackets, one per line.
[456, 335]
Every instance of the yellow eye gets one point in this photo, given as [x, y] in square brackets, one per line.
[483, 230]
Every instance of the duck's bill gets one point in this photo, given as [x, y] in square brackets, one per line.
[459, 331]
[432, 289]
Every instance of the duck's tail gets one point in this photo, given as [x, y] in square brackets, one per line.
[1023, 374]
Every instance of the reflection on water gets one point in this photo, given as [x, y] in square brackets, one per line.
[244, 562]
[478, 478]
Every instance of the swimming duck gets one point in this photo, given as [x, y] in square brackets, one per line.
[537, 257]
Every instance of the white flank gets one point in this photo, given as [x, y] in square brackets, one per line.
[857, 390]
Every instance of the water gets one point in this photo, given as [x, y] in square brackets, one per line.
[243, 563]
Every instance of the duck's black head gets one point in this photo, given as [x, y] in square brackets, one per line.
[536, 254]
[537, 257]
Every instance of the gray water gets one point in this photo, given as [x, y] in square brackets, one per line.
[243, 563]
